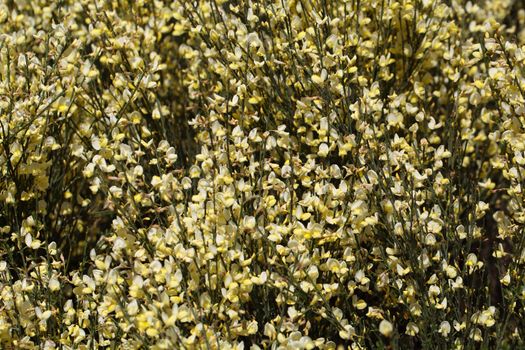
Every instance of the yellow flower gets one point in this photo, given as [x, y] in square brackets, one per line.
[386, 328]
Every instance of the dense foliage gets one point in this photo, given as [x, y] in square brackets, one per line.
[284, 174]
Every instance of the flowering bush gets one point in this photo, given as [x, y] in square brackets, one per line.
[283, 174]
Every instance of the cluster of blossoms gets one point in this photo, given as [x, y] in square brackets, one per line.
[281, 174]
